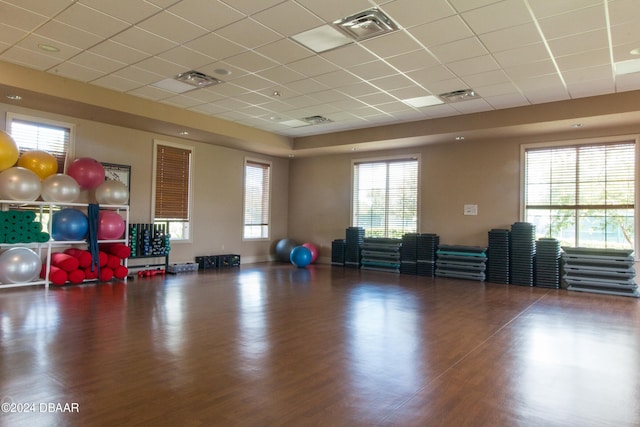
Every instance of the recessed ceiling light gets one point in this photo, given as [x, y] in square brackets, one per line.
[48, 48]
[322, 39]
[276, 93]
[576, 125]
[423, 101]
[635, 51]
[627, 67]
[183, 133]
[459, 138]
[222, 72]
[14, 97]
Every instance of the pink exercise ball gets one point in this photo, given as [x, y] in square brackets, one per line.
[313, 249]
[88, 172]
[110, 225]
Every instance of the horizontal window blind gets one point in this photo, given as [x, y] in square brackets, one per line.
[385, 197]
[55, 140]
[583, 195]
[172, 183]
[256, 199]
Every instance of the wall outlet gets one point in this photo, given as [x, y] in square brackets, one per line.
[471, 209]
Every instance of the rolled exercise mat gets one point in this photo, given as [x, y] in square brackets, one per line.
[64, 261]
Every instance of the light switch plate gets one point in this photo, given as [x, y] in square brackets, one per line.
[471, 209]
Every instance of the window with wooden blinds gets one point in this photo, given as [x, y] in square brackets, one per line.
[583, 195]
[52, 138]
[172, 182]
[256, 199]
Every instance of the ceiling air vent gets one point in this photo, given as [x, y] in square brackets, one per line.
[367, 24]
[197, 79]
[459, 95]
[316, 120]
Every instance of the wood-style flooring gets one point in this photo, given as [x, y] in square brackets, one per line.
[272, 344]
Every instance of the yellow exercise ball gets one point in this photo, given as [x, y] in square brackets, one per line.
[8, 151]
[41, 163]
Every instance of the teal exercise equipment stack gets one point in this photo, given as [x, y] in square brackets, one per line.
[381, 254]
[21, 227]
[462, 262]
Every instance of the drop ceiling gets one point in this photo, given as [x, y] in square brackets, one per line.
[513, 54]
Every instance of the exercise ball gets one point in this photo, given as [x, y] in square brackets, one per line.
[110, 225]
[300, 256]
[60, 188]
[284, 248]
[19, 265]
[69, 224]
[314, 251]
[18, 183]
[39, 162]
[8, 151]
[88, 172]
[112, 192]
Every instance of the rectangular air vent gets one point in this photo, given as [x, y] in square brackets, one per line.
[367, 24]
[316, 120]
[459, 95]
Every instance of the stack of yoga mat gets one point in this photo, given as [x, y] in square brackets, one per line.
[21, 227]
[381, 254]
[605, 271]
[461, 262]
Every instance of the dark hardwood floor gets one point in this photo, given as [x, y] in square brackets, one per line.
[271, 344]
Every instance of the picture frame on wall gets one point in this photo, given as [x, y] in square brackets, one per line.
[117, 172]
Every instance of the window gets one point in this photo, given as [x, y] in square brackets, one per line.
[582, 195]
[256, 199]
[385, 197]
[172, 185]
[32, 133]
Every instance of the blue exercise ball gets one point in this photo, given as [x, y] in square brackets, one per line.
[69, 224]
[300, 256]
[284, 248]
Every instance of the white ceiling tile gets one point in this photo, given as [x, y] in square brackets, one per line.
[581, 42]
[77, 72]
[29, 58]
[544, 9]
[288, 18]
[337, 79]
[249, 33]
[172, 27]
[250, 7]
[412, 61]
[583, 60]
[251, 62]
[97, 62]
[377, 98]
[91, 20]
[126, 10]
[475, 65]
[205, 95]
[541, 96]
[394, 107]
[546, 83]
[359, 89]
[31, 42]
[47, 8]
[350, 55]
[284, 51]
[143, 40]
[189, 59]
[391, 44]
[512, 37]
[140, 75]
[227, 90]
[493, 90]
[409, 92]
[67, 34]
[521, 56]
[459, 49]
[408, 13]
[510, 100]
[281, 75]
[372, 70]
[622, 11]
[472, 106]
[20, 18]
[116, 83]
[442, 31]
[507, 13]
[392, 82]
[255, 98]
[487, 78]
[534, 69]
[119, 52]
[10, 35]
[464, 5]
[431, 74]
[580, 21]
[305, 86]
[623, 52]
[313, 66]
[160, 67]
[215, 46]
[252, 82]
[591, 88]
[628, 82]
[444, 86]
[580, 75]
[330, 10]
[182, 101]
[209, 14]
[626, 33]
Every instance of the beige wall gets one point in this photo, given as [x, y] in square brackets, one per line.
[451, 175]
[217, 185]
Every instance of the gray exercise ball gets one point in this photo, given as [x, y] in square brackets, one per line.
[284, 248]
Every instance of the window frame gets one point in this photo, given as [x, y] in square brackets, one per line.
[246, 161]
[635, 139]
[70, 153]
[394, 158]
[189, 222]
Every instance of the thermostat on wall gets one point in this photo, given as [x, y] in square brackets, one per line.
[471, 209]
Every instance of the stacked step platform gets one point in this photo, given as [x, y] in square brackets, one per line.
[547, 263]
[461, 262]
[409, 254]
[498, 265]
[605, 271]
[523, 252]
[338, 247]
[353, 244]
[381, 254]
[427, 247]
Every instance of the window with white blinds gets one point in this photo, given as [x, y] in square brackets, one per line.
[33, 134]
[256, 199]
[172, 183]
[385, 197]
[583, 195]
